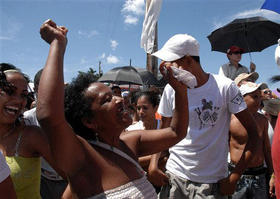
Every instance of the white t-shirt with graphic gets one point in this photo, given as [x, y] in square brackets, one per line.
[136, 126]
[4, 168]
[202, 155]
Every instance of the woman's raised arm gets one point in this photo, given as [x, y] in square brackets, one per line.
[66, 148]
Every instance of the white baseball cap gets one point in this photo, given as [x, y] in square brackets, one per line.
[250, 87]
[177, 47]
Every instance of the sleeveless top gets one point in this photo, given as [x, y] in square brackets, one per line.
[139, 188]
[25, 174]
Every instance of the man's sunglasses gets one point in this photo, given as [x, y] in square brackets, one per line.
[267, 92]
[237, 52]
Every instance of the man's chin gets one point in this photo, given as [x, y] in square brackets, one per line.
[127, 122]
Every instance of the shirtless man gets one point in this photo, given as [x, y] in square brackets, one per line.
[252, 183]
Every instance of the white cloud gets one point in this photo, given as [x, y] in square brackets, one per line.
[102, 56]
[258, 12]
[111, 59]
[132, 10]
[136, 7]
[129, 19]
[84, 61]
[11, 30]
[88, 34]
[5, 38]
[114, 44]
[247, 13]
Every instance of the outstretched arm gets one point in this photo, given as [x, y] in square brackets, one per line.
[155, 175]
[66, 148]
[153, 141]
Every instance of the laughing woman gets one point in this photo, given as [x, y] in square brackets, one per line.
[21, 145]
[99, 163]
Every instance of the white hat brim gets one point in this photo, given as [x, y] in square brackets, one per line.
[166, 55]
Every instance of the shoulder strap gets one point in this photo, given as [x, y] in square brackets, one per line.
[18, 143]
[117, 151]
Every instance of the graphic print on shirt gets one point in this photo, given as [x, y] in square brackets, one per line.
[208, 114]
[238, 99]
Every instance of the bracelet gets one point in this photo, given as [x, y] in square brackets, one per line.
[272, 175]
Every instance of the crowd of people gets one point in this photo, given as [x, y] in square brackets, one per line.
[88, 140]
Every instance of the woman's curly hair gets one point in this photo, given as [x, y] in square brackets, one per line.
[78, 106]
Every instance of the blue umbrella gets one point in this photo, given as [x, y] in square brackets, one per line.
[273, 5]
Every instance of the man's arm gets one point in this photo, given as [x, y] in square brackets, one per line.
[267, 148]
[247, 120]
[157, 176]
[227, 185]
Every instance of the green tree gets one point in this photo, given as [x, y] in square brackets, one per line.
[92, 72]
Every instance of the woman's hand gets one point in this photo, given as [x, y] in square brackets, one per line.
[166, 71]
[50, 31]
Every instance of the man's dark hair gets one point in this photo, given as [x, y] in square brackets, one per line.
[78, 106]
[114, 87]
[196, 58]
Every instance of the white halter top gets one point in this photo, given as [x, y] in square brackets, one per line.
[140, 188]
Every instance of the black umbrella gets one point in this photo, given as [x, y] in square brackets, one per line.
[122, 75]
[252, 34]
[148, 78]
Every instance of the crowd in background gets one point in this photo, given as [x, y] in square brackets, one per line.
[87, 140]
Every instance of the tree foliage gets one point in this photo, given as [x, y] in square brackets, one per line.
[93, 72]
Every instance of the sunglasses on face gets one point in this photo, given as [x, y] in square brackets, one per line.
[238, 52]
[267, 92]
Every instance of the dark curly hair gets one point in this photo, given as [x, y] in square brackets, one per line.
[77, 105]
[152, 96]
[5, 85]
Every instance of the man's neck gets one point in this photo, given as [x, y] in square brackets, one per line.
[201, 76]
[234, 63]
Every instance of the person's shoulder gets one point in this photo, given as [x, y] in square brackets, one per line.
[261, 118]
[242, 66]
[168, 91]
[136, 126]
[222, 80]
[225, 65]
[30, 112]
[168, 88]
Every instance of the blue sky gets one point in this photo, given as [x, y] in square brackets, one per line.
[109, 31]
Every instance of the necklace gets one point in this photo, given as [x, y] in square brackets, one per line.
[8, 133]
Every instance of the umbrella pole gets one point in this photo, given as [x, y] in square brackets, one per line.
[245, 32]
[250, 56]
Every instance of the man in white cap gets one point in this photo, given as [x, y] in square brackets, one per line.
[252, 183]
[197, 166]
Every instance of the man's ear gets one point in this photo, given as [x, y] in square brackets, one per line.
[189, 60]
[89, 123]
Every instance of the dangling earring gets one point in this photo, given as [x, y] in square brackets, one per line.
[96, 137]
